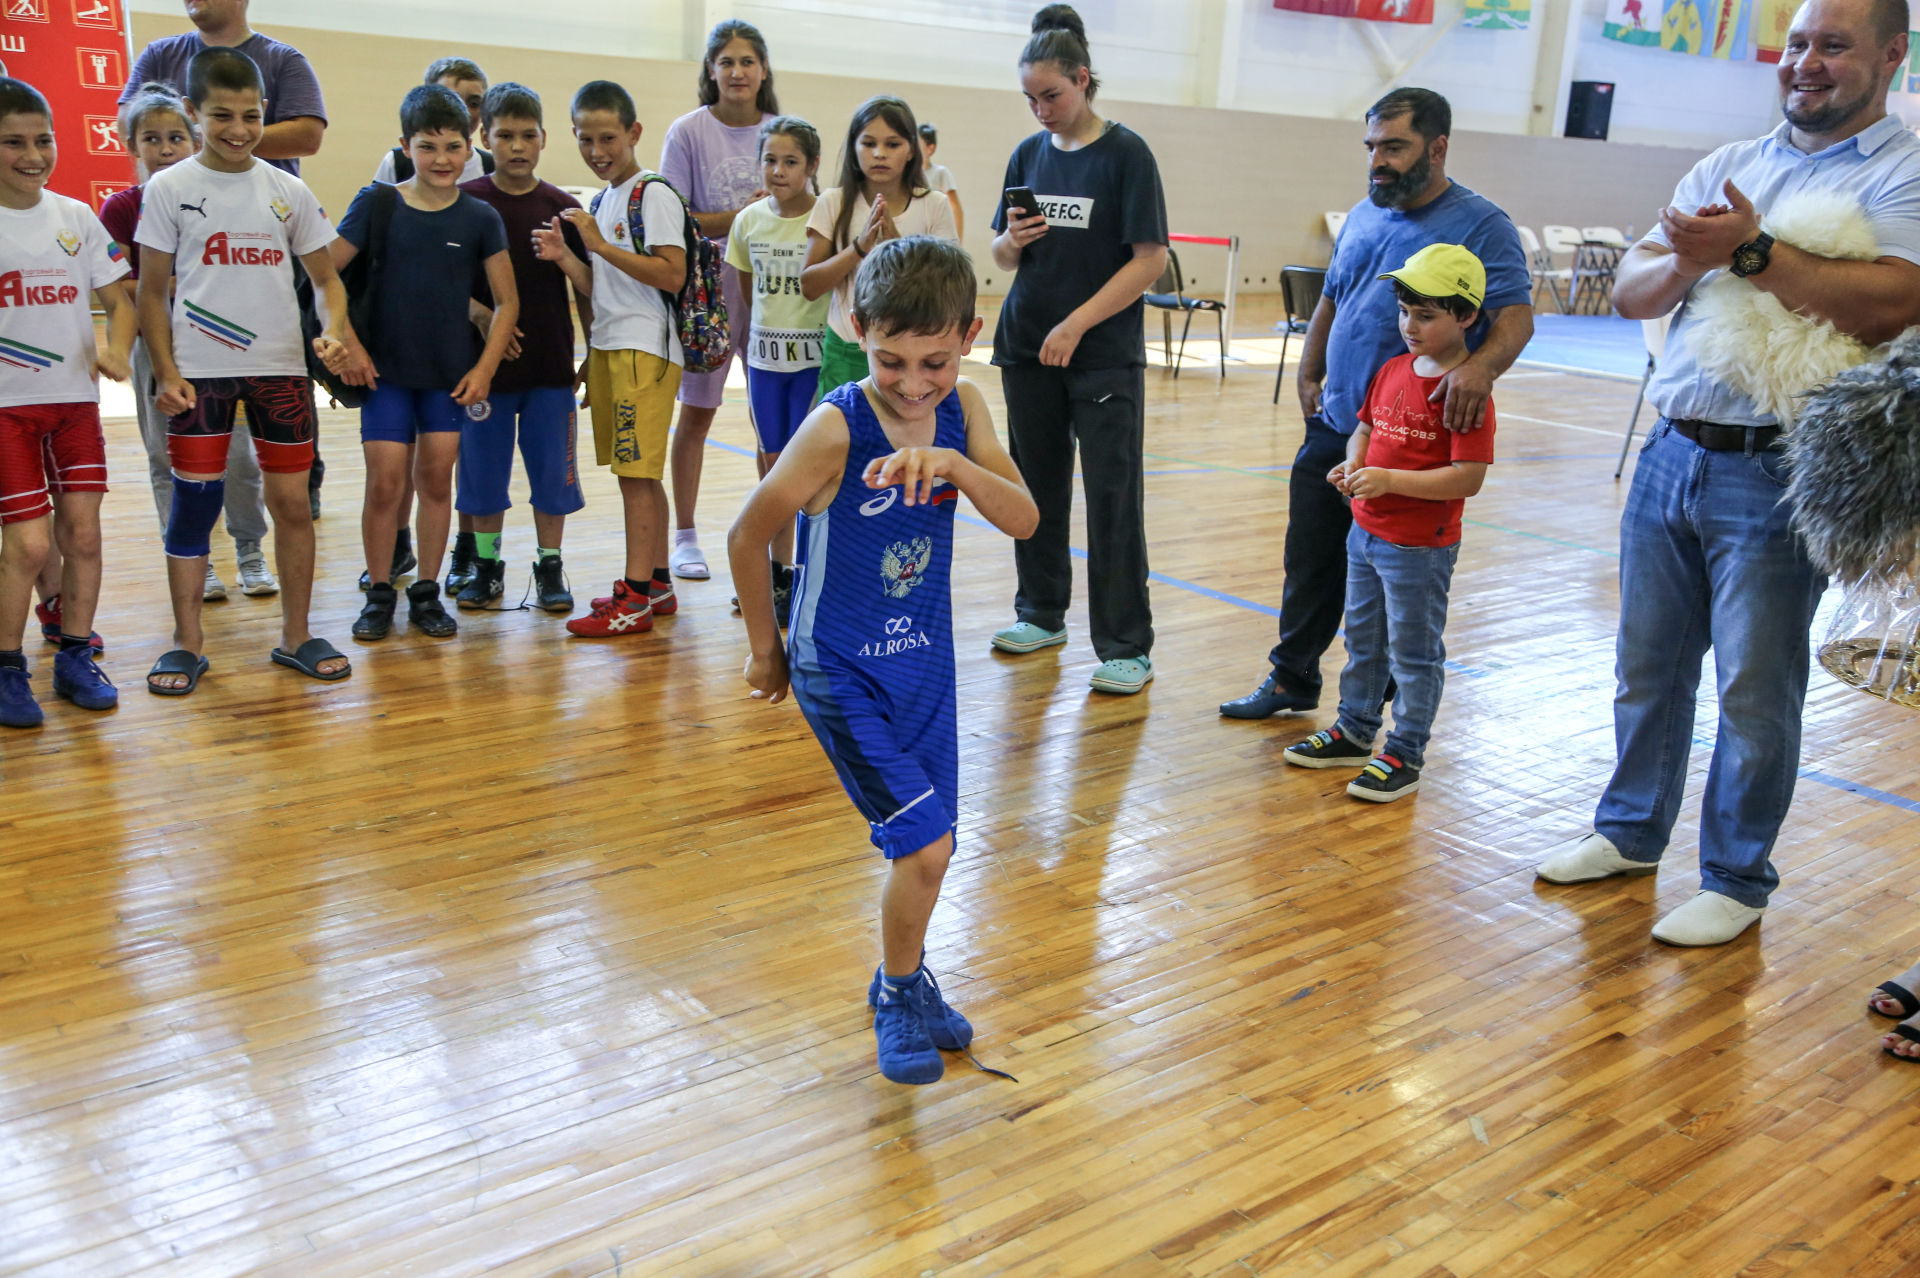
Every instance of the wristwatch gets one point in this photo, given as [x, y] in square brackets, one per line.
[1752, 257]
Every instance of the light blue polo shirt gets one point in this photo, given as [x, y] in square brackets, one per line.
[1879, 166]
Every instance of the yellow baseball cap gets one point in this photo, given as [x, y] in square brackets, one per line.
[1444, 270]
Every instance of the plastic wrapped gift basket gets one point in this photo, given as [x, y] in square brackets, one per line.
[1855, 492]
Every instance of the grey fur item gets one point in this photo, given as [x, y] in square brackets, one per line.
[1855, 453]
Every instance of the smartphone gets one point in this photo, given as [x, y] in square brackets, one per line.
[1021, 197]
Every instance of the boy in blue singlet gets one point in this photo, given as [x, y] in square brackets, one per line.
[874, 472]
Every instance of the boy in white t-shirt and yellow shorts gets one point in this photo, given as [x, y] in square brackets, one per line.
[634, 360]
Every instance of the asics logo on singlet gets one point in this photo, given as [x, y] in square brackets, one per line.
[942, 492]
[15, 291]
[220, 251]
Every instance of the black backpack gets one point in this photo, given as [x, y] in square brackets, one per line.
[356, 278]
[403, 163]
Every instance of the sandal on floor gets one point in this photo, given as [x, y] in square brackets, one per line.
[307, 658]
[177, 662]
[1909, 1005]
[1912, 1035]
[689, 561]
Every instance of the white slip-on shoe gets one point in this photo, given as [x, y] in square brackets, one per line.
[1708, 919]
[1593, 857]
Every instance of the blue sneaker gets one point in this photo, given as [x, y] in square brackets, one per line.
[907, 1053]
[950, 1031]
[78, 678]
[18, 709]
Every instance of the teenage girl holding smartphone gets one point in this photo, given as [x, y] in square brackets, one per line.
[1072, 352]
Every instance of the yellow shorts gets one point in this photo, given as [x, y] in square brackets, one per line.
[630, 394]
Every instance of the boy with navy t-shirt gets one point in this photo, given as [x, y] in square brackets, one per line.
[429, 240]
[533, 390]
[874, 473]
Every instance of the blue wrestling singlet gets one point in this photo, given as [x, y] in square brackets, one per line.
[870, 643]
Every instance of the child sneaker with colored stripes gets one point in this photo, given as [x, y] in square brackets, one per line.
[1385, 779]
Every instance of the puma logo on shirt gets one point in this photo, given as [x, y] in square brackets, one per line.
[200, 208]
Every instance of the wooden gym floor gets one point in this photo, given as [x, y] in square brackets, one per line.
[527, 956]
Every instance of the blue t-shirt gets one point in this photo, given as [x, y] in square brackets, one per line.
[423, 338]
[1366, 317]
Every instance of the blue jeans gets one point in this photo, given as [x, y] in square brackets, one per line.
[1396, 613]
[1707, 559]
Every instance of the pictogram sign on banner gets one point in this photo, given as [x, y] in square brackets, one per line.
[75, 52]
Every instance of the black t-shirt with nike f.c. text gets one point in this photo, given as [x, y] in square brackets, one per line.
[1099, 201]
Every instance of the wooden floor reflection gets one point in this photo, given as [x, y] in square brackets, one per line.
[520, 955]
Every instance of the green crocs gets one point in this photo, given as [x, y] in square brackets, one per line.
[1024, 636]
[1124, 675]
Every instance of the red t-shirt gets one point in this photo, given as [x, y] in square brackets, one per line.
[121, 216]
[1409, 434]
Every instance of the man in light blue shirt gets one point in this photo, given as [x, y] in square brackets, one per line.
[1707, 554]
[1411, 204]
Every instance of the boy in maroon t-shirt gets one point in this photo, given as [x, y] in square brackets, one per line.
[1409, 478]
[534, 387]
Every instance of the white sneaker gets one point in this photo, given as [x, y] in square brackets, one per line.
[1708, 919]
[255, 577]
[1593, 857]
[214, 588]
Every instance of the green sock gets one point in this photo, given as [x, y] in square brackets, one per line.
[546, 552]
[487, 545]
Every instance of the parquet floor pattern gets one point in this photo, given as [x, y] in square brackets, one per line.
[527, 956]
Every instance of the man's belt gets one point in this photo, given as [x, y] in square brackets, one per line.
[1718, 438]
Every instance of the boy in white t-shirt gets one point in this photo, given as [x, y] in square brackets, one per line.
[56, 256]
[224, 226]
[634, 360]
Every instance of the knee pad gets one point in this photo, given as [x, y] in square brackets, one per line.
[196, 509]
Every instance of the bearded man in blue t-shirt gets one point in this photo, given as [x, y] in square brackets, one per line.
[1410, 204]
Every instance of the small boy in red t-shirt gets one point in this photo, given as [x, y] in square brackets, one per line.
[1409, 478]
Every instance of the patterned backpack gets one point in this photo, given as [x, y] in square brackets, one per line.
[699, 309]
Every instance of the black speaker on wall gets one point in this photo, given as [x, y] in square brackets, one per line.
[1588, 108]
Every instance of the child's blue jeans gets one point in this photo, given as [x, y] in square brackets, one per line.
[1396, 613]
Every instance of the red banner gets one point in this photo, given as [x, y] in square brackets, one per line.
[76, 53]
[1420, 11]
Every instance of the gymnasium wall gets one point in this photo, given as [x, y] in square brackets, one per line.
[1266, 177]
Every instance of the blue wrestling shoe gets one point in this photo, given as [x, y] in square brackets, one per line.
[907, 1053]
[950, 1031]
[77, 678]
[18, 709]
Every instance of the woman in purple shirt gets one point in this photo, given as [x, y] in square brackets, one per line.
[712, 156]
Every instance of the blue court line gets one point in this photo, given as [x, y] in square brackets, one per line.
[1252, 605]
[1864, 791]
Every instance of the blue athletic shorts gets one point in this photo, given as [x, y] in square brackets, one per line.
[898, 759]
[401, 415]
[780, 402]
[543, 417]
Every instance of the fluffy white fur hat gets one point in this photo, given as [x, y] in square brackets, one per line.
[1748, 340]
